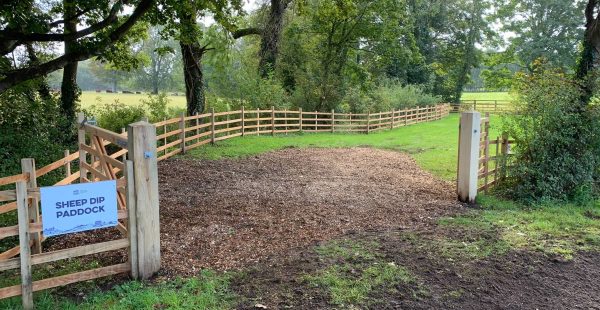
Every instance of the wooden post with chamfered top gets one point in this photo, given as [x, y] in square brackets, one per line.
[142, 152]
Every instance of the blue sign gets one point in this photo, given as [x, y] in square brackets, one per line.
[78, 207]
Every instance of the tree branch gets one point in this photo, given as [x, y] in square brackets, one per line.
[15, 77]
[46, 37]
[246, 32]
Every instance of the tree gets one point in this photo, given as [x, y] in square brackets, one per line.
[36, 23]
[549, 29]
[179, 19]
[160, 61]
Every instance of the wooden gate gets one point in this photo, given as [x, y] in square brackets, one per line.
[102, 156]
[493, 157]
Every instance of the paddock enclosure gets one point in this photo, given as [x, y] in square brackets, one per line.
[215, 215]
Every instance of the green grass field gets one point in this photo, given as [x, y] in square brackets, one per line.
[433, 145]
[501, 96]
[89, 98]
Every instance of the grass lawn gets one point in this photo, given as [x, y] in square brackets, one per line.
[433, 145]
[504, 96]
[89, 98]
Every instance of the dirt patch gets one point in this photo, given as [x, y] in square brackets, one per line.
[516, 280]
[230, 214]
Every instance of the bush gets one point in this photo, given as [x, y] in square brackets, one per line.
[557, 140]
[116, 115]
[396, 96]
[385, 98]
[31, 127]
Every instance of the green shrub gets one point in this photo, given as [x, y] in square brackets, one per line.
[385, 98]
[116, 115]
[31, 127]
[157, 107]
[557, 140]
[396, 96]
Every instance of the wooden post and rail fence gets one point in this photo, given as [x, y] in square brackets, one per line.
[178, 135]
[130, 158]
[482, 162]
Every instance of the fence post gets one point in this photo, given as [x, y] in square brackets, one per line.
[368, 122]
[28, 166]
[393, 115]
[182, 134]
[468, 155]
[243, 122]
[300, 118]
[25, 251]
[142, 151]
[285, 121]
[504, 155]
[332, 120]
[197, 123]
[212, 125]
[165, 138]
[80, 141]
[258, 122]
[405, 117]
[272, 120]
[67, 164]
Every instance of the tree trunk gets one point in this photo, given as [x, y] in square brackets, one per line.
[155, 73]
[69, 89]
[590, 53]
[194, 82]
[463, 74]
[269, 44]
